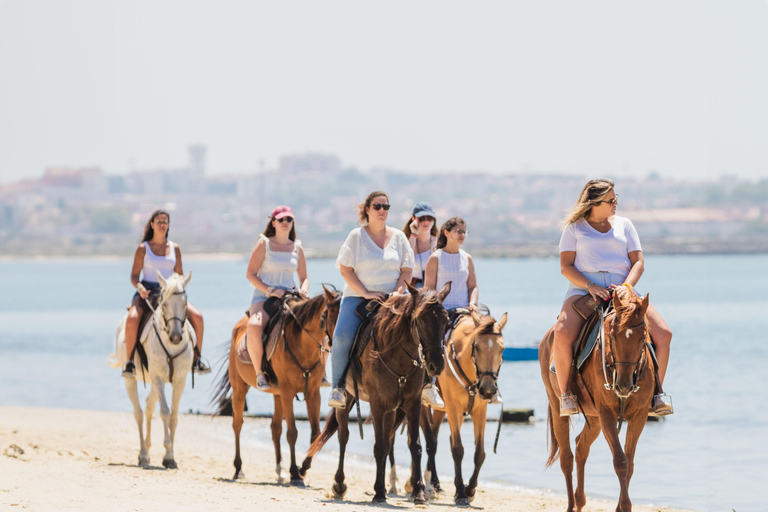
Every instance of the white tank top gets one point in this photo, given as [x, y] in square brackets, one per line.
[278, 266]
[153, 263]
[454, 268]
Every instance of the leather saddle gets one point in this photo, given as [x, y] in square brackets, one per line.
[273, 307]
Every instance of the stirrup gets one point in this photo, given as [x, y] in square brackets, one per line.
[129, 370]
[661, 405]
[568, 405]
[262, 382]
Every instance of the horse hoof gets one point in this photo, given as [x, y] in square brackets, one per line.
[169, 464]
[298, 482]
[239, 475]
[462, 502]
[420, 499]
[144, 463]
[379, 499]
[339, 490]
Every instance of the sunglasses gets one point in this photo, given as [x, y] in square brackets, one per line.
[285, 219]
[426, 218]
[460, 231]
[379, 206]
[612, 202]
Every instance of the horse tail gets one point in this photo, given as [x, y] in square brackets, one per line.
[331, 426]
[223, 385]
[554, 447]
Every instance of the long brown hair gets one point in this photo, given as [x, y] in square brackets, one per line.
[407, 227]
[592, 193]
[270, 229]
[149, 232]
[367, 203]
[447, 226]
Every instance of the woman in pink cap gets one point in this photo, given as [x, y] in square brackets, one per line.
[275, 258]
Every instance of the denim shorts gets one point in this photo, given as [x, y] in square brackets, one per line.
[260, 296]
[604, 279]
[154, 288]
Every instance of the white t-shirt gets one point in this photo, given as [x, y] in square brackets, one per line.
[378, 269]
[601, 252]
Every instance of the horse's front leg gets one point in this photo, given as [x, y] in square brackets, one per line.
[382, 429]
[158, 387]
[434, 419]
[455, 420]
[313, 415]
[291, 433]
[620, 465]
[583, 443]
[342, 417]
[149, 411]
[414, 444]
[479, 419]
[277, 431]
[635, 426]
[178, 389]
[132, 387]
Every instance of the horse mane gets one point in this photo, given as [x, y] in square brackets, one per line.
[629, 303]
[306, 309]
[171, 286]
[392, 320]
[487, 326]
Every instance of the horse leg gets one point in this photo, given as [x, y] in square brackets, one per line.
[277, 431]
[393, 481]
[342, 417]
[158, 387]
[635, 426]
[560, 427]
[435, 421]
[291, 434]
[583, 443]
[455, 421]
[414, 444]
[478, 422]
[620, 465]
[149, 411]
[178, 389]
[382, 428]
[313, 415]
[132, 387]
[239, 390]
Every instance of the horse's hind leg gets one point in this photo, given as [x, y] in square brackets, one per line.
[478, 421]
[583, 443]
[149, 411]
[435, 421]
[291, 434]
[239, 390]
[313, 415]
[277, 431]
[342, 417]
[131, 386]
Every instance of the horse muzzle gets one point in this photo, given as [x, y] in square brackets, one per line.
[435, 368]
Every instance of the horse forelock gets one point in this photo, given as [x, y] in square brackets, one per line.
[174, 284]
[487, 326]
[629, 305]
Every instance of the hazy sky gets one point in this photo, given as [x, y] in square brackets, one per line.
[593, 88]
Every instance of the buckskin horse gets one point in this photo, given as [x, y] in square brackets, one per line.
[299, 366]
[167, 349]
[389, 374]
[474, 357]
[615, 384]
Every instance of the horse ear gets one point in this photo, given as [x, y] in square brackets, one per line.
[616, 301]
[476, 318]
[187, 280]
[413, 291]
[160, 279]
[646, 302]
[442, 294]
[328, 295]
[502, 322]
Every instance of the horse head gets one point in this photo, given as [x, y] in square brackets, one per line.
[628, 334]
[173, 305]
[487, 350]
[331, 312]
[429, 323]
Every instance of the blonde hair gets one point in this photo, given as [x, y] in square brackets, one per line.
[591, 195]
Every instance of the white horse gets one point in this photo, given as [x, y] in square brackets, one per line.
[168, 340]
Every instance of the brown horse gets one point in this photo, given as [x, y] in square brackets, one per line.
[390, 375]
[299, 367]
[615, 384]
[474, 357]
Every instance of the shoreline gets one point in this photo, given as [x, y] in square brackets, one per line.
[69, 459]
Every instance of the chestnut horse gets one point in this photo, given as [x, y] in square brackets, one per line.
[389, 375]
[615, 384]
[474, 357]
[299, 367]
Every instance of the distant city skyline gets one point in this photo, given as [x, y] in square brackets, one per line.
[592, 88]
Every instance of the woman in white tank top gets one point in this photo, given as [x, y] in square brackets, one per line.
[273, 261]
[451, 263]
[156, 254]
[421, 232]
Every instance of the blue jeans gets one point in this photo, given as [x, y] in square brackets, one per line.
[344, 336]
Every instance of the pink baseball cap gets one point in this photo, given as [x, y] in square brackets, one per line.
[282, 211]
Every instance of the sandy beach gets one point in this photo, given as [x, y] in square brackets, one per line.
[66, 459]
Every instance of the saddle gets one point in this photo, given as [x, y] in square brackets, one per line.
[273, 307]
[586, 341]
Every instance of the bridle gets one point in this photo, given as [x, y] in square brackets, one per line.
[164, 325]
[461, 376]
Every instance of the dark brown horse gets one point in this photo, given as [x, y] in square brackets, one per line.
[473, 358]
[390, 375]
[615, 384]
[299, 365]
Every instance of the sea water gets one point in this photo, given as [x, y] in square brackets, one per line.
[58, 321]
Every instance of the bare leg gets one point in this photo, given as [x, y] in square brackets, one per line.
[662, 338]
[255, 329]
[196, 319]
[132, 327]
[566, 329]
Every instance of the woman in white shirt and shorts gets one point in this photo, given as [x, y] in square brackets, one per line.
[375, 260]
[598, 252]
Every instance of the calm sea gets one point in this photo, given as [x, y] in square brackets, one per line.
[58, 318]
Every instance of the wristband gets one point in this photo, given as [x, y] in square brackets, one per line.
[139, 287]
[628, 286]
[414, 235]
[270, 289]
[473, 303]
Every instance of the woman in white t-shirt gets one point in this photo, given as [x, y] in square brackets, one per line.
[598, 252]
[375, 260]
